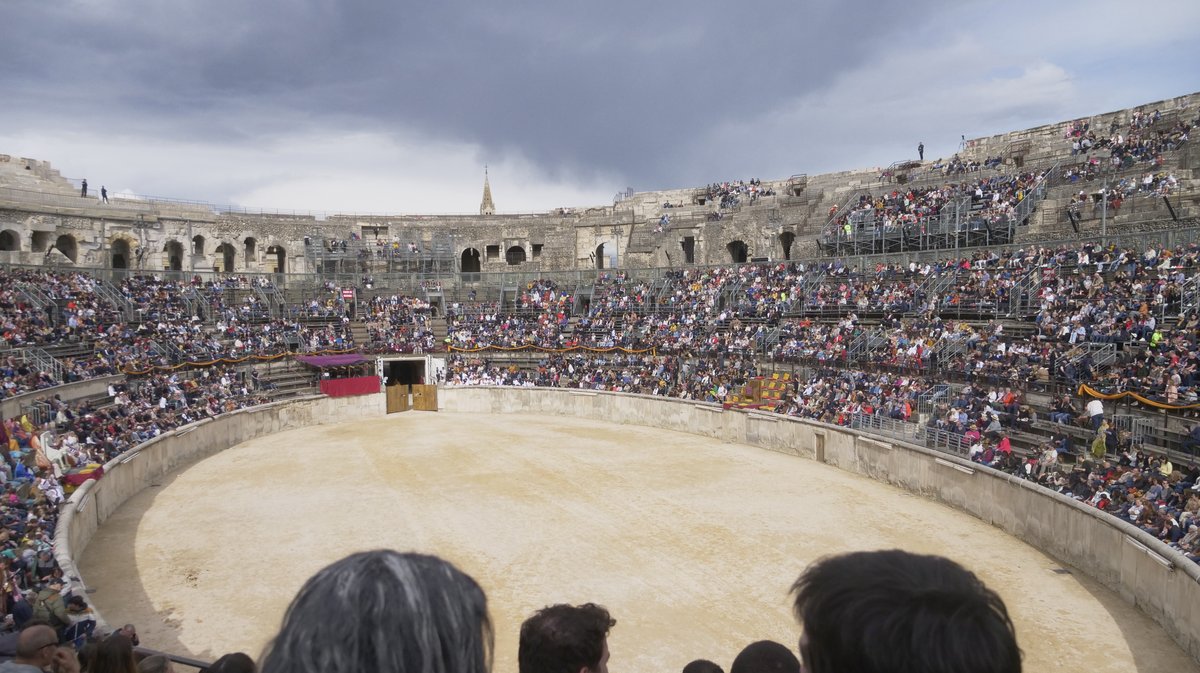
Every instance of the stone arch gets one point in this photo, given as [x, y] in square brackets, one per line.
[470, 261]
[174, 252]
[786, 239]
[119, 253]
[197, 245]
[68, 246]
[515, 255]
[225, 257]
[250, 246]
[738, 251]
[10, 240]
[279, 253]
[40, 241]
[602, 257]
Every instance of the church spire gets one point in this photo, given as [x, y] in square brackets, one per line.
[487, 207]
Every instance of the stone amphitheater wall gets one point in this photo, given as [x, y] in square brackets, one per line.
[1142, 570]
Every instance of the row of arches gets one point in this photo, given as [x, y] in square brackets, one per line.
[605, 255]
[41, 241]
[123, 251]
[470, 260]
[226, 254]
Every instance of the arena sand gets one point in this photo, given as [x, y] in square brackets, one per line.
[690, 542]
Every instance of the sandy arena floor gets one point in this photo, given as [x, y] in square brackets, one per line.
[691, 543]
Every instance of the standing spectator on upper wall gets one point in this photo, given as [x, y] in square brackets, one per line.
[921, 150]
[83, 188]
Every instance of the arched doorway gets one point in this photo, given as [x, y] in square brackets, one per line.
[279, 261]
[737, 251]
[515, 255]
[786, 239]
[119, 254]
[225, 255]
[67, 246]
[197, 245]
[9, 240]
[604, 255]
[251, 248]
[174, 251]
[470, 261]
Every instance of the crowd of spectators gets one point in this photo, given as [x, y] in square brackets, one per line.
[731, 194]
[1138, 142]
[149, 321]
[987, 200]
[398, 324]
[46, 459]
[957, 165]
[697, 334]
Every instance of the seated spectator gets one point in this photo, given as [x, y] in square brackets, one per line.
[385, 612]
[38, 650]
[565, 639]
[113, 655]
[156, 663]
[883, 611]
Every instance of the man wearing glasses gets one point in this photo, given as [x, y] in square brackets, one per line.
[38, 651]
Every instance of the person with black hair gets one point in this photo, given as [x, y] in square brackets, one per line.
[898, 612]
[765, 656]
[702, 666]
[565, 639]
[234, 662]
[385, 612]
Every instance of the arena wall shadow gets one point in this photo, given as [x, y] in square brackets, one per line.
[136, 469]
[1142, 570]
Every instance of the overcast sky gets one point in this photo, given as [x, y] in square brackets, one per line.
[396, 107]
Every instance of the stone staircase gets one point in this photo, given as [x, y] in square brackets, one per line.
[359, 334]
[440, 329]
[289, 379]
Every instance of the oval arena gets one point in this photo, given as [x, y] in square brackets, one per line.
[670, 405]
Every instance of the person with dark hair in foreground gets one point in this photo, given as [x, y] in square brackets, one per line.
[702, 666]
[234, 662]
[565, 639]
[765, 656]
[897, 612]
[385, 612]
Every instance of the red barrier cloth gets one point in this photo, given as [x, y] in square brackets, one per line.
[359, 385]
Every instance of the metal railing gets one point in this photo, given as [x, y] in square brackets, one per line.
[933, 438]
[942, 440]
[115, 297]
[41, 360]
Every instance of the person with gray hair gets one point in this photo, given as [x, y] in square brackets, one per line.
[386, 612]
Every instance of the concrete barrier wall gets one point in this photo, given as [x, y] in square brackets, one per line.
[1145, 572]
[126, 475]
[11, 407]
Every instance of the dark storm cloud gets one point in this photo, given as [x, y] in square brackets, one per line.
[620, 87]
